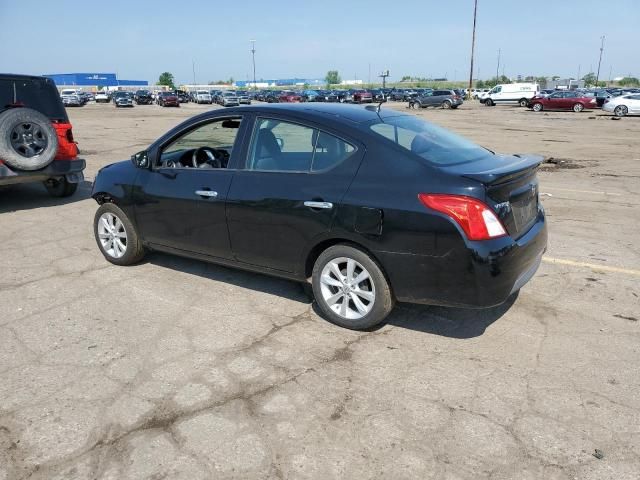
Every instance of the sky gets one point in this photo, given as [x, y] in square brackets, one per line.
[139, 39]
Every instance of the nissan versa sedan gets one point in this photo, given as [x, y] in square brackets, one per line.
[372, 206]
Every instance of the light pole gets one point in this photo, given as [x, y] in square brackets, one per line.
[600, 60]
[498, 68]
[253, 57]
[473, 46]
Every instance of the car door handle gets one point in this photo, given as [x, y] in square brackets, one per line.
[310, 204]
[207, 193]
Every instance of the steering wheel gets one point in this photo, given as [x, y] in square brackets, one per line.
[205, 156]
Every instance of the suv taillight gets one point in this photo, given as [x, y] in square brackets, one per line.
[475, 218]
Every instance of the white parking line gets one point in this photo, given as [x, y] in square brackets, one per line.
[603, 268]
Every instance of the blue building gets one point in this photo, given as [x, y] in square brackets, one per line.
[93, 80]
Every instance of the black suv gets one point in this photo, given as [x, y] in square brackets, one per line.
[36, 139]
[143, 97]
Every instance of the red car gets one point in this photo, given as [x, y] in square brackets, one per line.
[168, 99]
[289, 97]
[563, 101]
[362, 96]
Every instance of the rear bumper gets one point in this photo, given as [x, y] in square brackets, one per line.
[72, 169]
[480, 275]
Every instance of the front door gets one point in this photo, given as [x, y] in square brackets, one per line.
[288, 192]
[181, 201]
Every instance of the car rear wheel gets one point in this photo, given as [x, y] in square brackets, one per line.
[28, 141]
[620, 111]
[578, 107]
[537, 107]
[116, 236]
[60, 188]
[350, 288]
[523, 102]
[446, 104]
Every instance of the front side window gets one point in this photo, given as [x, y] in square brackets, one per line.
[435, 144]
[289, 147]
[210, 144]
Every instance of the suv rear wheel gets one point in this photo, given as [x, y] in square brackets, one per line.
[350, 288]
[60, 188]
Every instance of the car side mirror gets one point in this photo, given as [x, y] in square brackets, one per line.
[140, 159]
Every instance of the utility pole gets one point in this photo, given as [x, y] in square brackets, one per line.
[610, 75]
[384, 76]
[473, 46]
[498, 68]
[193, 66]
[369, 75]
[578, 77]
[253, 58]
[600, 60]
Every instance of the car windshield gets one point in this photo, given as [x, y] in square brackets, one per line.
[433, 143]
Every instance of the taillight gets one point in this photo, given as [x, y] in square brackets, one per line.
[475, 218]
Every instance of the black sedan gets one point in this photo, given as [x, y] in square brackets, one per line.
[370, 205]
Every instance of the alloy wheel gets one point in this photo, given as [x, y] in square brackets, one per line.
[112, 235]
[621, 111]
[347, 288]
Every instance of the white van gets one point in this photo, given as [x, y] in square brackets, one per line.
[510, 94]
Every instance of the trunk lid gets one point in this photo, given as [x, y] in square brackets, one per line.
[511, 186]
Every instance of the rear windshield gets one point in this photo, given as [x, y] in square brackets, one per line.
[40, 95]
[435, 144]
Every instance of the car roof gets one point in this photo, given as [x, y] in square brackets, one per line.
[335, 112]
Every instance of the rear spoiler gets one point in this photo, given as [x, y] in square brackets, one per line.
[500, 168]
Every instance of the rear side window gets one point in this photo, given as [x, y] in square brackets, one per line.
[38, 94]
[434, 144]
[289, 147]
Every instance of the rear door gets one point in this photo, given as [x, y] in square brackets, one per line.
[288, 192]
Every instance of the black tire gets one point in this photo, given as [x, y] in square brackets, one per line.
[578, 107]
[454, 106]
[60, 188]
[28, 141]
[537, 107]
[134, 251]
[446, 104]
[383, 301]
[523, 102]
[489, 103]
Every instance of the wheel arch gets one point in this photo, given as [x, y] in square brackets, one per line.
[315, 251]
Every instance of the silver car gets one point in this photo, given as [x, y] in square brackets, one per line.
[202, 96]
[229, 99]
[243, 98]
[623, 105]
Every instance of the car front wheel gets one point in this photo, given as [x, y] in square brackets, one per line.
[350, 288]
[578, 107]
[116, 236]
[537, 107]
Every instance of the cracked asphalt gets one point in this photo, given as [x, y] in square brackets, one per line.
[179, 369]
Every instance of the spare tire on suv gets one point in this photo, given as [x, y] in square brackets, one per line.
[28, 141]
